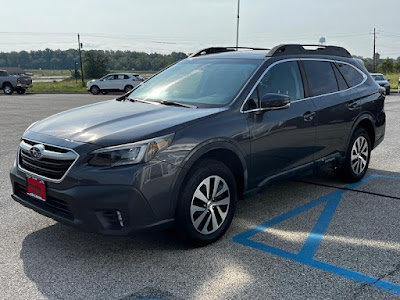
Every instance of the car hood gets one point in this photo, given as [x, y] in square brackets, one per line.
[116, 122]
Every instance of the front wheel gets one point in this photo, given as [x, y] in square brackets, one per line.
[207, 202]
[95, 90]
[357, 157]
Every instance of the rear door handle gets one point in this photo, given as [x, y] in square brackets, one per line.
[309, 116]
[353, 104]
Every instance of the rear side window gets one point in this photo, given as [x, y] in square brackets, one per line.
[352, 76]
[321, 77]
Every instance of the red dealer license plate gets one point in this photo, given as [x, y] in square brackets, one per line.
[36, 188]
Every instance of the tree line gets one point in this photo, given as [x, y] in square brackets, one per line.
[98, 62]
[66, 59]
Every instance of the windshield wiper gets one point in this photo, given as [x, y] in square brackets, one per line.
[167, 102]
[143, 101]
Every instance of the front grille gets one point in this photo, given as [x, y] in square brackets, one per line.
[53, 165]
[53, 205]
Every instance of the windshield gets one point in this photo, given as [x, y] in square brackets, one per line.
[378, 77]
[204, 82]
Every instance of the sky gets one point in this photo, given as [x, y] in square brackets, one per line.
[175, 25]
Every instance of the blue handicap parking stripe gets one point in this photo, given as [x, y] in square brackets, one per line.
[310, 247]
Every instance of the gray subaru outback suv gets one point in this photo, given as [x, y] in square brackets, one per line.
[181, 148]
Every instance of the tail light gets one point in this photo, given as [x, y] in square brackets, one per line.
[18, 80]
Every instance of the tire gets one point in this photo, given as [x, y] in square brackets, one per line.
[200, 220]
[95, 90]
[21, 91]
[128, 88]
[8, 89]
[104, 92]
[357, 157]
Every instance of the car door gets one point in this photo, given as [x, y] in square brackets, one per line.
[120, 82]
[337, 105]
[281, 139]
[107, 82]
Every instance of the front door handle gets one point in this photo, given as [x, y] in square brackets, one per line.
[353, 104]
[309, 116]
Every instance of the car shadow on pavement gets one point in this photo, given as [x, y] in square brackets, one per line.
[66, 263]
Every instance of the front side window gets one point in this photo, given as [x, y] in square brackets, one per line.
[283, 78]
[321, 77]
[207, 82]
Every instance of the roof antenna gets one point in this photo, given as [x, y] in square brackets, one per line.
[322, 41]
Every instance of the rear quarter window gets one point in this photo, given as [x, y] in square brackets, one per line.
[352, 76]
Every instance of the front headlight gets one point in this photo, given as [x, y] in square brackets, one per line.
[128, 154]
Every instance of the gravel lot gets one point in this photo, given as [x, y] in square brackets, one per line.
[41, 259]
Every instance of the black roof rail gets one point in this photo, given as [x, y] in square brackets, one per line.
[213, 50]
[290, 49]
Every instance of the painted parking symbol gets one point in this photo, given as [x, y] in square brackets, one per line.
[306, 254]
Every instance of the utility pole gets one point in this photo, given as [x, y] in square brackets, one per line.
[80, 57]
[237, 25]
[374, 54]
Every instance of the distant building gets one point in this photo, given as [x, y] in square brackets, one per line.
[13, 70]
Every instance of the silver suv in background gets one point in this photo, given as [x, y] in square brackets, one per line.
[11, 83]
[114, 82]
[382, 81]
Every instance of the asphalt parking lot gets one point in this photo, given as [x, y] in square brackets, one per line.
[311, 238]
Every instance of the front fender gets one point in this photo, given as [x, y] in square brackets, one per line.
[197, 153]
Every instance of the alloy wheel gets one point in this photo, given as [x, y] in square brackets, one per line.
[359, 155]
[210, 204]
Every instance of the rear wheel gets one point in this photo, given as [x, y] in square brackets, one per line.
[357, 157]
[95, 90]
[21, 91]
[8, 89]
[207, 203]
[128, 88]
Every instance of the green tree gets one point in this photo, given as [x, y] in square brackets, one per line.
[396, 66]
[386, 67]
[95, 64]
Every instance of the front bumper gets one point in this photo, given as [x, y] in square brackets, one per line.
[106, 209]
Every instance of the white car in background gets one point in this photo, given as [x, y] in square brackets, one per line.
[114, 82]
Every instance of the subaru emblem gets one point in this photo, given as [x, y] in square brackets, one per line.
[36, 151]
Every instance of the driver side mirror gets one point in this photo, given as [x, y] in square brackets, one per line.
[275, 101]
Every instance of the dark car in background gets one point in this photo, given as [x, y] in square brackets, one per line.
[181, 148]
[382, 81]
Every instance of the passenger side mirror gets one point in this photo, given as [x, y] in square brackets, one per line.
[275, 101]
[388, 79]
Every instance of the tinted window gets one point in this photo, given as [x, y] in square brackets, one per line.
[321, 77]
[340, 80]
[126, 77]
[283, 78]
[352, 76]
